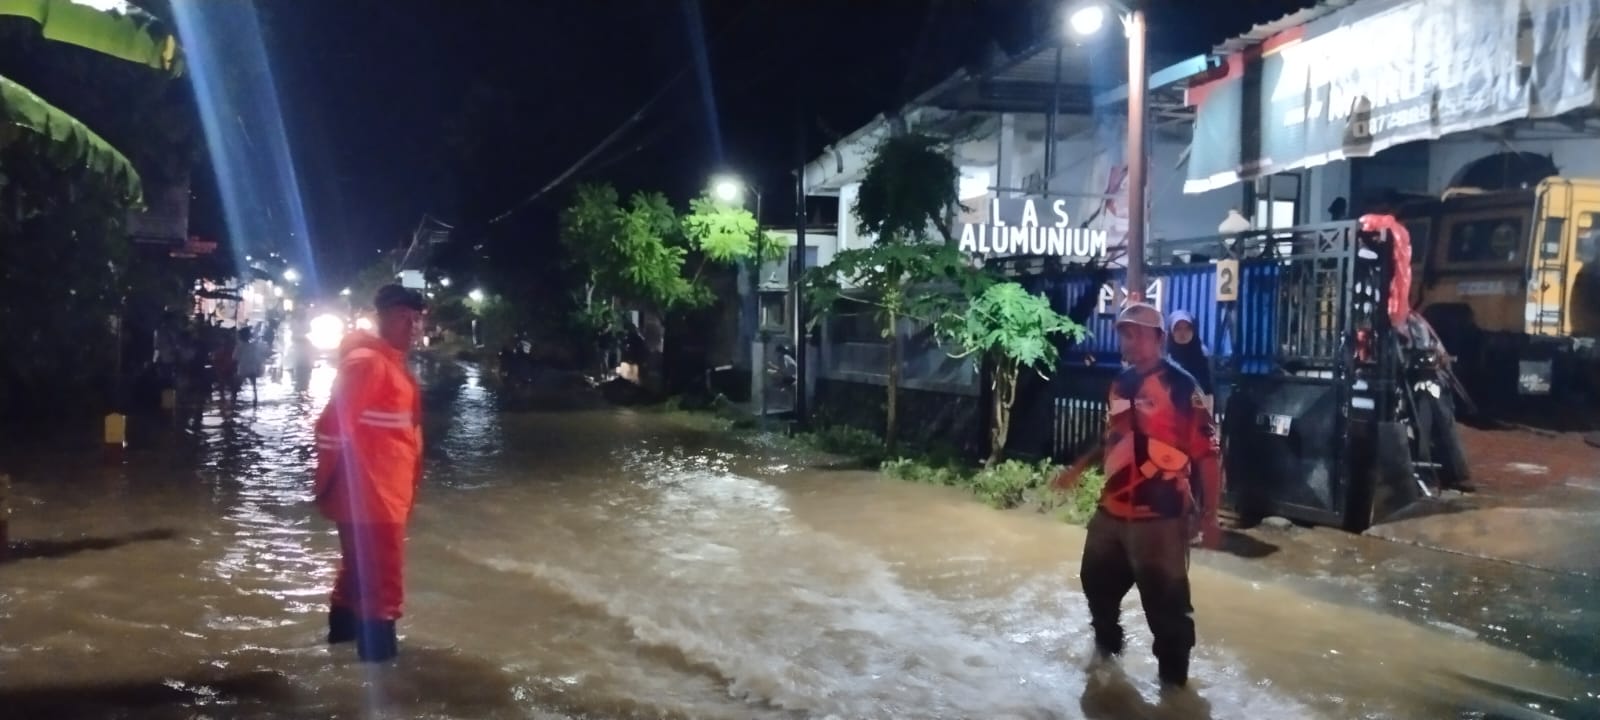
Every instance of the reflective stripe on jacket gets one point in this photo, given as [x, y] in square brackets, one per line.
[369, 437]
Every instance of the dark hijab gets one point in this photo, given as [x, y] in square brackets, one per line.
[1191, 356]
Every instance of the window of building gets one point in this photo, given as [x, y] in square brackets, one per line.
[1275, 214]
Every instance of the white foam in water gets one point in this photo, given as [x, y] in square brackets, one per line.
[805, 622]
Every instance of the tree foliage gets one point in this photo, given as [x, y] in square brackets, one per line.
[726, 233]
[911, 186]
[639, 253]
[365, 287]
[626, 251]
[1014, 330]
[918, 282]
[67, 267]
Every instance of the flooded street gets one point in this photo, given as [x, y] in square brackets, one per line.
[617, 565]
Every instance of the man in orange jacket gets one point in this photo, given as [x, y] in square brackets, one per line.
[369, 463]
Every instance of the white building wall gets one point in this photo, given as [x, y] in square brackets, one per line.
[849, 235]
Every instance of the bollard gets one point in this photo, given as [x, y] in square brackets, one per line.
[5, 516]
[115, 437]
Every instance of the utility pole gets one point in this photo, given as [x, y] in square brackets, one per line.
[797, 269]
[1138, 163]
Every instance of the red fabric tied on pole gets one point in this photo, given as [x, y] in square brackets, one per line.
[1400, 286]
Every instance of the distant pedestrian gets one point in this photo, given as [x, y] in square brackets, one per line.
[225, 367]
[1160, 445]
[252, 362]
[1189, 352]
[369, 464]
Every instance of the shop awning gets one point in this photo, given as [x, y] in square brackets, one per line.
[1356, 78]
[114, 27]
[24, 117]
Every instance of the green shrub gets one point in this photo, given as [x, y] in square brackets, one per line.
[848, 441]
[1006, 485]
[1078, 504]
[926, 473]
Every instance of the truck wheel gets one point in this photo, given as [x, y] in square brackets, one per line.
[1445, 447]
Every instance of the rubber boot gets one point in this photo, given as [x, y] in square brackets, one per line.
[1108, 644]
[342, 625]
[376, 641]
[1173, 671]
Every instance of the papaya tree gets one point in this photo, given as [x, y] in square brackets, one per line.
[913, 271]
[1014, 331]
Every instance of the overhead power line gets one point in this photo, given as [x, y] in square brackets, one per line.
[622, 129]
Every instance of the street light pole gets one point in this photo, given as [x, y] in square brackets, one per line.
[755, 300]
[1088, 19]
[1138, 78]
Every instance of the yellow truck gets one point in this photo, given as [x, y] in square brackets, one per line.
[1510, 279]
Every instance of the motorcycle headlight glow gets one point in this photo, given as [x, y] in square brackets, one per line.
[327, 331]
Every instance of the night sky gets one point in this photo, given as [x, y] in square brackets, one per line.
[463, 108]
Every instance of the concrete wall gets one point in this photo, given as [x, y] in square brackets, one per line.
[849, 235]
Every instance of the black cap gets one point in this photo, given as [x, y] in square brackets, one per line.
[390, 296]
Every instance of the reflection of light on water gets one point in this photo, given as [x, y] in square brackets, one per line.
[321, 385]
[474, 432]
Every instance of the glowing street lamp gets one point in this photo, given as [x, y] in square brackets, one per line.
[731, 189]
[291, 276]
[345, 292]
[444, 282]
[476, 295]
[728, 190]
[1088, 19]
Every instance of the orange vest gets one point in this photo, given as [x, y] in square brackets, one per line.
[1157, 424]
[369, 437]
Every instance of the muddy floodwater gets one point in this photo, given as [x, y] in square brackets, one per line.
[614, 564]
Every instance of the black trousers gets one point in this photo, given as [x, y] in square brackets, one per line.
[1154, 556]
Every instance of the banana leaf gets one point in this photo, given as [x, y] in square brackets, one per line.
[67, 142]
[113, 27]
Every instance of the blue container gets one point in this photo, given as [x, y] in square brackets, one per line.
[1243, 331]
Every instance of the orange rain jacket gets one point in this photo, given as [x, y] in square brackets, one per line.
[369, 437]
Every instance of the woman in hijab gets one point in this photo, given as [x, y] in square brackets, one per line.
[1185, 349]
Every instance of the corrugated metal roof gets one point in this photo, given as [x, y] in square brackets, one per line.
[1261, 31]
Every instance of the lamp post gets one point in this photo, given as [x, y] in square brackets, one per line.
[730, 189]
[1087, 20]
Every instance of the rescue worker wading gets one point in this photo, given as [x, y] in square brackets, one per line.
[1160, 445]
[369, 463]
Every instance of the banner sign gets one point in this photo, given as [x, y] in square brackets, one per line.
[1031, 226]
[165, 220]
[1382, 73]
